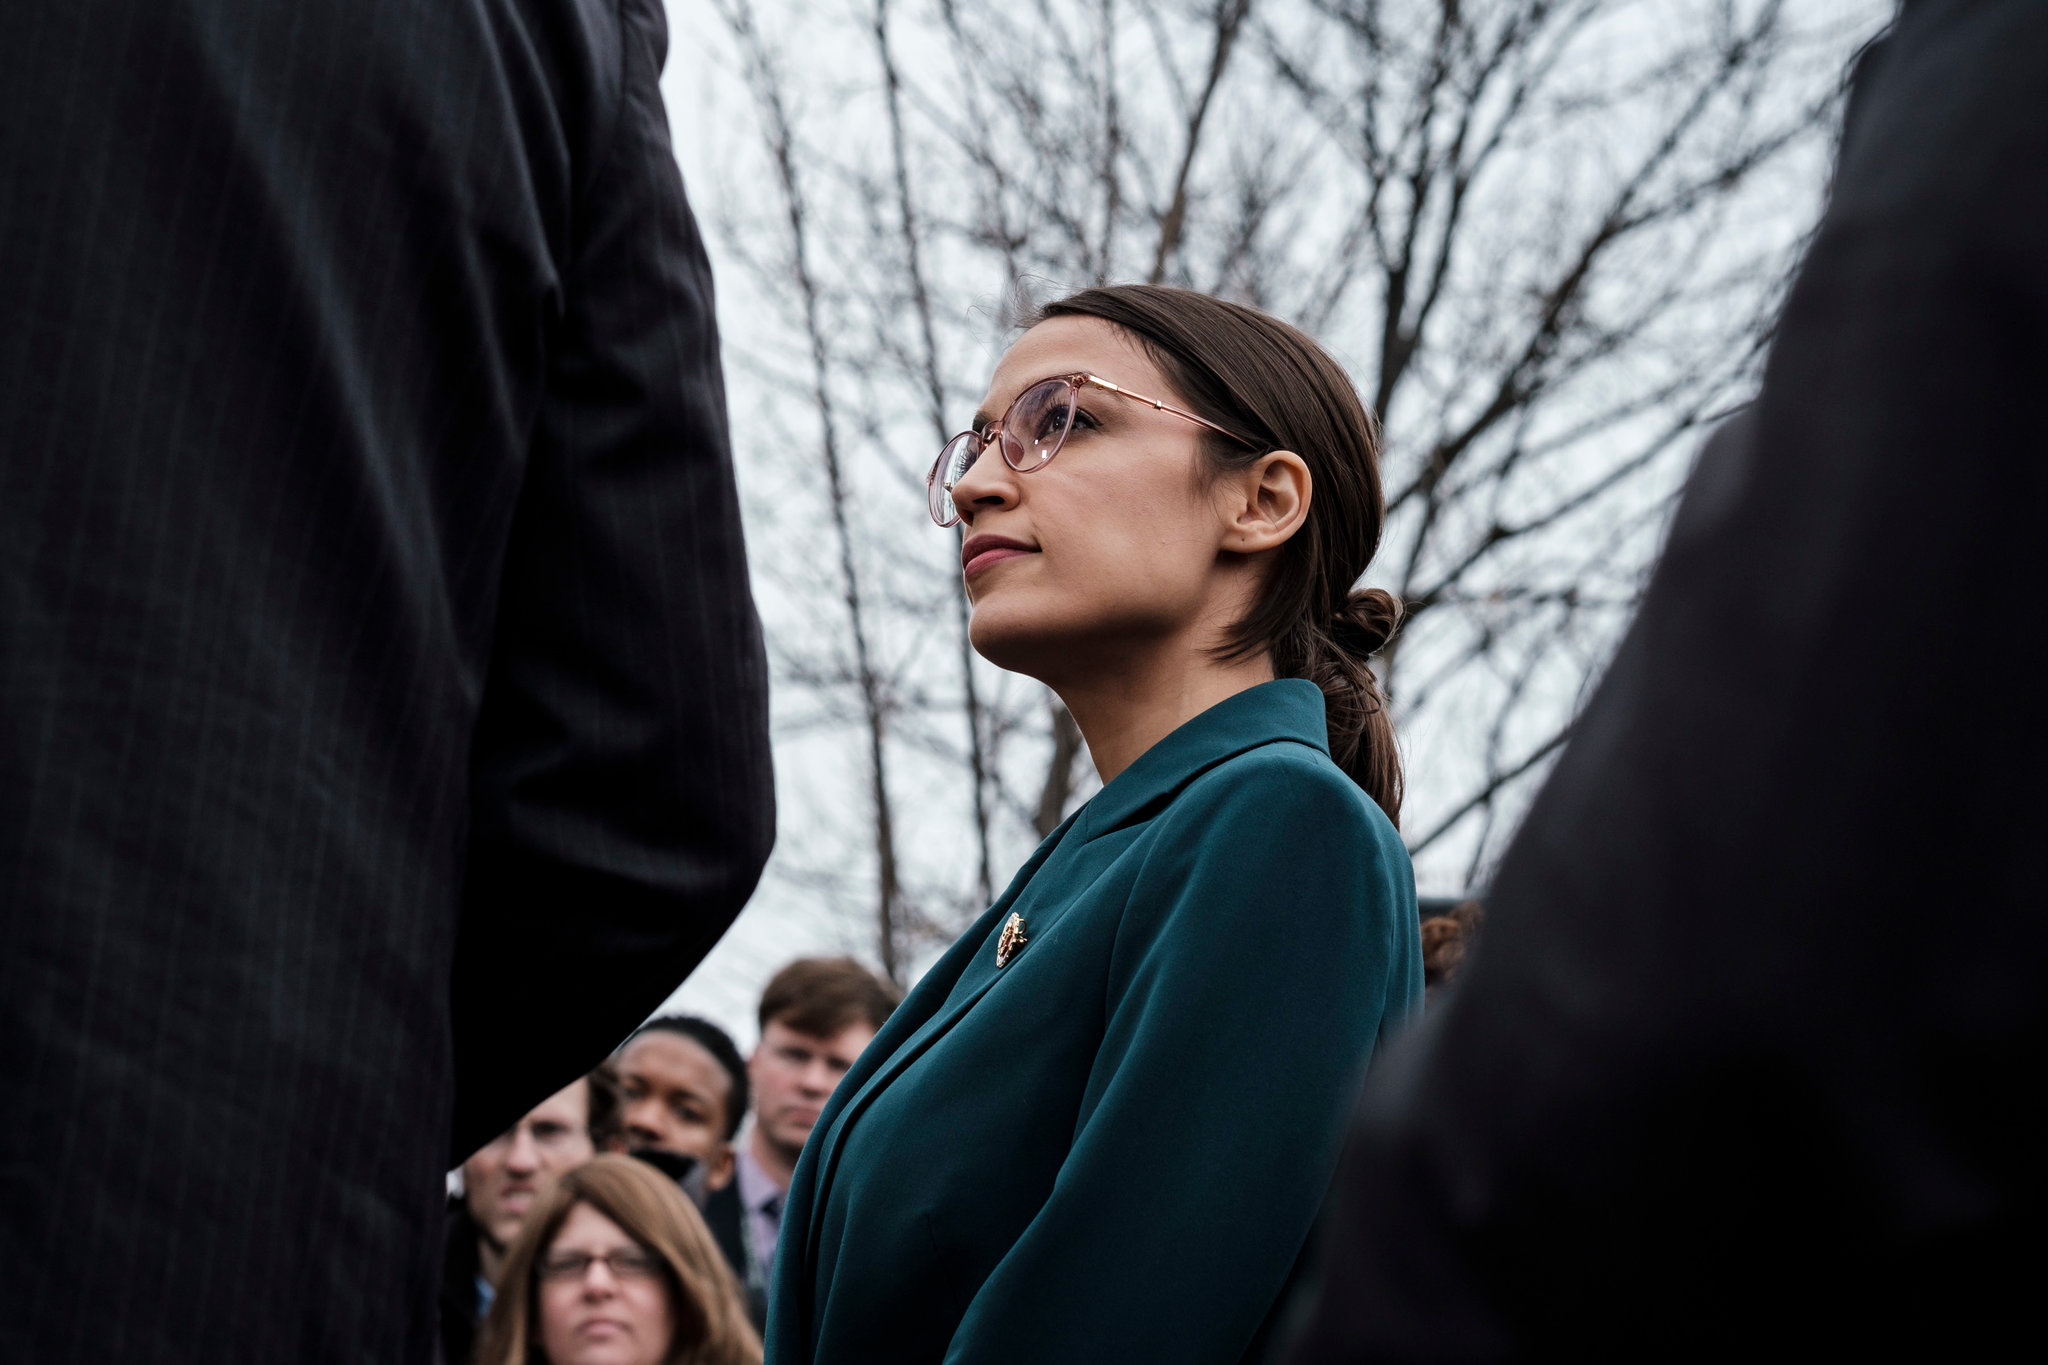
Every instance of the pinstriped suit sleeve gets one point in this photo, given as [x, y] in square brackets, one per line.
[621, 788]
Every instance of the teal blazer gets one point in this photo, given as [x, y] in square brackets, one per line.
[1112, 1148]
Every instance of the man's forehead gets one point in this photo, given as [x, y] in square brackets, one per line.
[671, 1059]
[572, 1101]
[854, 1036]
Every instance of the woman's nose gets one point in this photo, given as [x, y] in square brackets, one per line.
[987, 485]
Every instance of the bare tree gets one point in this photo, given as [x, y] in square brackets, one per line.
[764, 79]
[927, 368]
[1546, 236]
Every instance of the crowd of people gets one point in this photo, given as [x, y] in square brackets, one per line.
[380, 649]
[578, 1238]
[639, 1276]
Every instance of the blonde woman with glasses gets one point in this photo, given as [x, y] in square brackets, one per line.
[616, 1267]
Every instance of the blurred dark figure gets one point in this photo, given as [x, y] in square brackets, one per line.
[501, 1182]
[1446, 940]
[382, 723]
[1752, 1059]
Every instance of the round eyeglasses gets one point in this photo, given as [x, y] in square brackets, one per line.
[1030, 432]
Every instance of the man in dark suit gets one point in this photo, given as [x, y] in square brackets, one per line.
[382, 702]
[1750, 1056]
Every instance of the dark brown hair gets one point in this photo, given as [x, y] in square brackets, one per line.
[822, 996]
[1273, 385]
[711, 1326]
[1446, 941]
[607, 1123]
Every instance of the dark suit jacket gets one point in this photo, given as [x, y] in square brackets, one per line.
[1750, 1053]
[459, 1315]
[726, 1216]
[1112, 1148]
[382, 724]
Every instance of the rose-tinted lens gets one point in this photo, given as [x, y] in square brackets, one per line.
[954, 461]
[1037, 424]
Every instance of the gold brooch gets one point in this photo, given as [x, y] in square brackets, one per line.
[1012, 941]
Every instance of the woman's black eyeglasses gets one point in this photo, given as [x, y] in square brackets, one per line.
[574, 1265]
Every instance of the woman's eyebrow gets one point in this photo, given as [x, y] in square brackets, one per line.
[983, 418]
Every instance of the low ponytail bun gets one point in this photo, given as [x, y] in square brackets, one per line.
[1367, 621]
[1339, 661]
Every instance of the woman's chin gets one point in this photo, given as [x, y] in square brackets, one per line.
[1059, 648]
[1019, 641]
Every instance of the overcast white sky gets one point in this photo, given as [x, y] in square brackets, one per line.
[715, 139]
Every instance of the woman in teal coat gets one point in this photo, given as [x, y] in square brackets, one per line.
[1100, 1127]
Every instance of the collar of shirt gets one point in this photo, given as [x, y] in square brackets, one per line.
[486, 1294]
[758, 1190]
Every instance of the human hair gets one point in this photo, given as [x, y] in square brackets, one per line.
[1447, 939]
[822, 996]
[723, 1050]
[1274, 386]
[607, 1123]
[710, 1316]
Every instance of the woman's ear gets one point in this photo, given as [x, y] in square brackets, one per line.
[1266, 502]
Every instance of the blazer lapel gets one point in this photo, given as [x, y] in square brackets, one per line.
[1287, 709]
[867, 1078]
